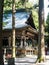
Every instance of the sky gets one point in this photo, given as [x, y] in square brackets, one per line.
[33, 1]
[46, 8]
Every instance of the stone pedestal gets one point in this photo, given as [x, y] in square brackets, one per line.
[11, 61]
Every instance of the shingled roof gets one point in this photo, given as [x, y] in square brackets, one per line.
[22, 19]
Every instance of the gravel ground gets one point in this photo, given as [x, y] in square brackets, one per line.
[29, 61]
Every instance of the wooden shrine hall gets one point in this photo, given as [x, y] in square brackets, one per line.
[26, 33]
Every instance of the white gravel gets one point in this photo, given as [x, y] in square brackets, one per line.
[29, 61]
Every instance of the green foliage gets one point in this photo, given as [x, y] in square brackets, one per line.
[47, 24]
[35, 17]
[23, 1]
[5, 23]
[47, 30]
[35, 14]
[7, 4]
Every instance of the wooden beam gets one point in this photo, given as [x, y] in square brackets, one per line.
[32, 30]
[30, 34]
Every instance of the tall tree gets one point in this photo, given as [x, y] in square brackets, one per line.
[13, 27]
[41, 48]
[1, 20]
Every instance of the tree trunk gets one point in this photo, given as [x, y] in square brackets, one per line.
[1, 20]
[41, 48]
[13, 28]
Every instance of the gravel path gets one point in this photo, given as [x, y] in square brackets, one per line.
[29, 61]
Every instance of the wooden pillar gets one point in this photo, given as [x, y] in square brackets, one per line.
[9, 40]
[4, 54]
[25, 41]
[25, 44]
[21, 42]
